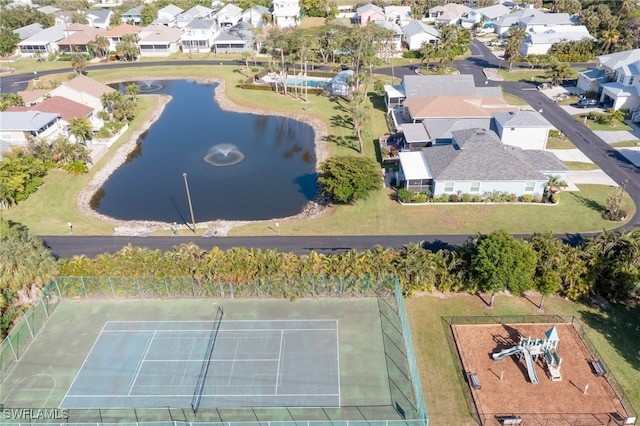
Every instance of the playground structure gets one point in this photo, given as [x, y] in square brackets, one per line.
[531, 349]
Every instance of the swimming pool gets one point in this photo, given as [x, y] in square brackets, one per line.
[315, 82]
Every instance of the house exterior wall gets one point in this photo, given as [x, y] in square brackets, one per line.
[371, 16]
[525, 138]
[158, 50]
[464, 187]
[586, 84]
[415, 42]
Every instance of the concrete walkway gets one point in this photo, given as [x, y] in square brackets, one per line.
[570, 155]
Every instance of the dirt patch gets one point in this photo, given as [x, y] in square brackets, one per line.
[547, 402]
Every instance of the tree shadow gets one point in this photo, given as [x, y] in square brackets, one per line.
[591, 204]
[617, 324]
[349, 142]
[340, 120]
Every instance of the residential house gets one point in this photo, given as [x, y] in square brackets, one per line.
[538, 22]
[83, 90]
[400, 15]
[99, 18]
[105, 4]
[254, 15]
[484, 16]
[17, 127]
[615, 79]
[132, 16]
[368, 13]
[196, 12]
[64, 17]
[477, 162]
[49, 10]
[540, 43]
[28, 31]
[447, 14]
[43, 42]
[236, 39]
[392, 47]
[524, 129]
[158, 40]
[168, 15]
[285, 13]
[78, 38]
[116, 34]
[502, 24]
[66, 109]
[32, 97]
[198, 35]
[228, 16]
[416, 33]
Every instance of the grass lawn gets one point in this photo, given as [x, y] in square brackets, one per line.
[597, 127]
[625, 144]
[557, 142]
[578, 165]
[513, 99]
[442, 382]
[577, 212]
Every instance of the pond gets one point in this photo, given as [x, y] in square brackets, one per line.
[238, 166]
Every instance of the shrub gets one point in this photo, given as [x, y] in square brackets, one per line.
[420, 198]
[411, 54]
[526, 198]
[454, 198]
[466, 198]
[404, 195]
[477, 198]
[553, 133]
[537, 198]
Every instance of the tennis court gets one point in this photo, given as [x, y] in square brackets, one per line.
[151, 364]
[322, 359]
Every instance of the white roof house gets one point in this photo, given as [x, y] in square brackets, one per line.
[158, 40]
[228, 16]
[16, 127]
[167, 15]
[253, 15]
[196, 12]
[448, 14]
[616, 79]
[484, 15]
[401, 15]
[43, 42]
[286, 13]
[524, 129]
[540, 42]
[415, 33]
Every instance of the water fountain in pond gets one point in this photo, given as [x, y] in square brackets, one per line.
[224, 154]
[148, 86]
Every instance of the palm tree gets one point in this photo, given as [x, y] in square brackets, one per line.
[427, 51]
[608, 39]
[512, 47]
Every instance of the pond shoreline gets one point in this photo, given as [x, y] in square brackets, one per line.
[314, 208]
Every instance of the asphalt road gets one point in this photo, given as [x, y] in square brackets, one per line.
[612, 163]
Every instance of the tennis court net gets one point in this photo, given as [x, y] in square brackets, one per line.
[202, 377]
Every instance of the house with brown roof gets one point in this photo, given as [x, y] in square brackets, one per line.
[115, 34]
[32, 97]
[78, 37]
[447, 14]
[66, 109]
[83, 90]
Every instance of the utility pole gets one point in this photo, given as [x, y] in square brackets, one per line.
[186, 185]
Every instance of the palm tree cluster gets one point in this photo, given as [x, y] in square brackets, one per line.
[453, 41]
[608, 264]
[22, 170]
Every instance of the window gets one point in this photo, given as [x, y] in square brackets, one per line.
[448, 187]
[474, 187]
[631, 81]
[529, 186]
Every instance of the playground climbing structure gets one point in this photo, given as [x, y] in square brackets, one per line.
[532, 349]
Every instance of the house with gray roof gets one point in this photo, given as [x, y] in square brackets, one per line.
[502, 24]
[17, 127]
[524, 129]
[198, 35]
[484, 16]
[536, 22]
[368, 13]
[615, 79]
[49, 10]
[167, 15]
[43, 42]
[477, 162]
[99, 18]
[253, 15]
[196, 12]
[415, 33]
[28, 30]
[236, 39]
[132, 16]
[158, 40]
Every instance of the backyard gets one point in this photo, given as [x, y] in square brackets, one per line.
[576, 212]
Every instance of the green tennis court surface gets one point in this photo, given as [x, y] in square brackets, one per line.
[286, 363]
[324, 359]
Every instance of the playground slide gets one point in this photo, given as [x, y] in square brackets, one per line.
[530, 367]
[505, 353]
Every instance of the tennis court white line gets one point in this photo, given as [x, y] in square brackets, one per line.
[208, 322]
[245, 330]
[275, 392]
[213, 360]
[83, 363]
[184, 370]
[233, 363]
[190, 395]
[338, 361]
[144, 355]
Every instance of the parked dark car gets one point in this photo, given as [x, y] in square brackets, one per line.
[587, 103]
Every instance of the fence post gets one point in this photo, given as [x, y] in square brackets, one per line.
[166, 286]
[139, 289]
[84, 287]
[193, 286]
[44, 304]
[8, 339]
[26, 319]
[55, 280]
[113, 292]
